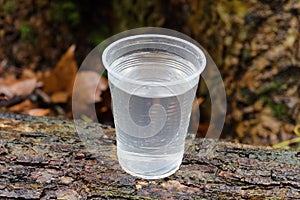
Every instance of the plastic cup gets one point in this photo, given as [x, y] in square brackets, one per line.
[153, 80]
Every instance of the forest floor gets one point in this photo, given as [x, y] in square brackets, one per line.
[43, 44]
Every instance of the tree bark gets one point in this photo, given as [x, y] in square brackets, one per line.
[44, 158]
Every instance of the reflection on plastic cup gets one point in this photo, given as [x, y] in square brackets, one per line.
[153, 79]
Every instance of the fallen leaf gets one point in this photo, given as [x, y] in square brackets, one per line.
[8, 79]
[18, 88]
[194, 121]
[59, 97]
[240, 129]
[270, 123]
[38, 112]
[63, 75]
[6, 92]
[28, 73]
[23, 106]
[89, 86]
[24, 87]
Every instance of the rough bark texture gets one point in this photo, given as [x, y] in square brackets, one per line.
[44, 158]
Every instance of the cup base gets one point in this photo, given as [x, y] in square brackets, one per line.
[151, 177]
[149, 166]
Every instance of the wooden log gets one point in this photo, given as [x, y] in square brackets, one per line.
[44, 158]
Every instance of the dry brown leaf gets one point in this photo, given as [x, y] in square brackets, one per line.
[103, 84]
[23, 106]
[6, 92]
[28, 73]
[258, 105]
[287, 131]
[59, 97]
[264, 131]
[8, 79]
[240, 129]
[63, 75]
[24, 87]
[18, 88]
[202, 129]
[89, 88]
[270, 123]
[38, 112]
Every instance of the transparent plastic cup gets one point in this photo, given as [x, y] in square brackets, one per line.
[153, 80]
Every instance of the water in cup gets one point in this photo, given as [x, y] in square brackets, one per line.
[153, 80]
[152, 118]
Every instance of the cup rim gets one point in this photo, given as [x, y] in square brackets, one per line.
[115, 74]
